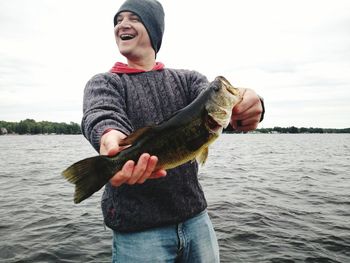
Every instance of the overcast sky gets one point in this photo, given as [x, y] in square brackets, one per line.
[296, 54]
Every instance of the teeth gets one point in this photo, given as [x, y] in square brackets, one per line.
[126, 37]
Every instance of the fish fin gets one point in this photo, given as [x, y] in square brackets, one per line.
[177, 117]
[172, 115]
[203, 156]
[89, 175]
[135, 135]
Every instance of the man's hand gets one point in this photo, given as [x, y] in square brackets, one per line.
[131, 173]
[246, 115]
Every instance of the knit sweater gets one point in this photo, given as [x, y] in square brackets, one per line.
[126, 102]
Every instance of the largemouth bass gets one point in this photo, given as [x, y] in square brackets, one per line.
[184, 137]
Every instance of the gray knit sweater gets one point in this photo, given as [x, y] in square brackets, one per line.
[126, 102]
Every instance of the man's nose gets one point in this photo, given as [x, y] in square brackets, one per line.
[125, 23]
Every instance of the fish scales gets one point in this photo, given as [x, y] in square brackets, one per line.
[184, 137]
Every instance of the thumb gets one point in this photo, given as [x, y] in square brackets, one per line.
[109, 147]
[110, 143]
[113, 150]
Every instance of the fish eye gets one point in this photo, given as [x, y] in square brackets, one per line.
[216, 88]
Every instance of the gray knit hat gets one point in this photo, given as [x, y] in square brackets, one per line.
[151, 14]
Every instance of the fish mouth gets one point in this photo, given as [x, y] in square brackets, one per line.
[227, 85]
[213, 125]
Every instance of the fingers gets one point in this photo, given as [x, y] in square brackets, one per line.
[245, 125]
[250, 101]
[147, 171]
[252, 112]
[245, 122]
[247, 114]
[139, 173]
[143, 169]
[158, 174]
[123, 175]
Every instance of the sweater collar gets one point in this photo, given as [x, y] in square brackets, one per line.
[120, 67]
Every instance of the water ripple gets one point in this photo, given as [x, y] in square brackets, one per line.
[272, 198]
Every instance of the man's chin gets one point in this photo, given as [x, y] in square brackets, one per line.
[125, 49]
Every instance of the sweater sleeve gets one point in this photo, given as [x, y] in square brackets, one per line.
[104, 108]
[197, 83]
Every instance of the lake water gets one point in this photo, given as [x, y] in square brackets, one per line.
[272, 198]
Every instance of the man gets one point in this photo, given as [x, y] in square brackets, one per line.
[156, 216]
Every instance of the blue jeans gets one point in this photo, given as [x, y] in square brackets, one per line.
[191, 241]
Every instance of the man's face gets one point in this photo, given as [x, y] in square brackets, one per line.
[131, 36]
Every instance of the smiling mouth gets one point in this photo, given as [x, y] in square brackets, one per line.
[126, 36]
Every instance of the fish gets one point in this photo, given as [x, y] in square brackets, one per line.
[183, 137]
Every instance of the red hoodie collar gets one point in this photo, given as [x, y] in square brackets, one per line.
[124, 68]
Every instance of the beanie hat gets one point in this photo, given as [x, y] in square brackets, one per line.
[151, 14]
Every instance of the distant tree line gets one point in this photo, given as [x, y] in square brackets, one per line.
[294, 129]
[30, 126]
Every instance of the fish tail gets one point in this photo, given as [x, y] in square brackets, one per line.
[90, 175]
